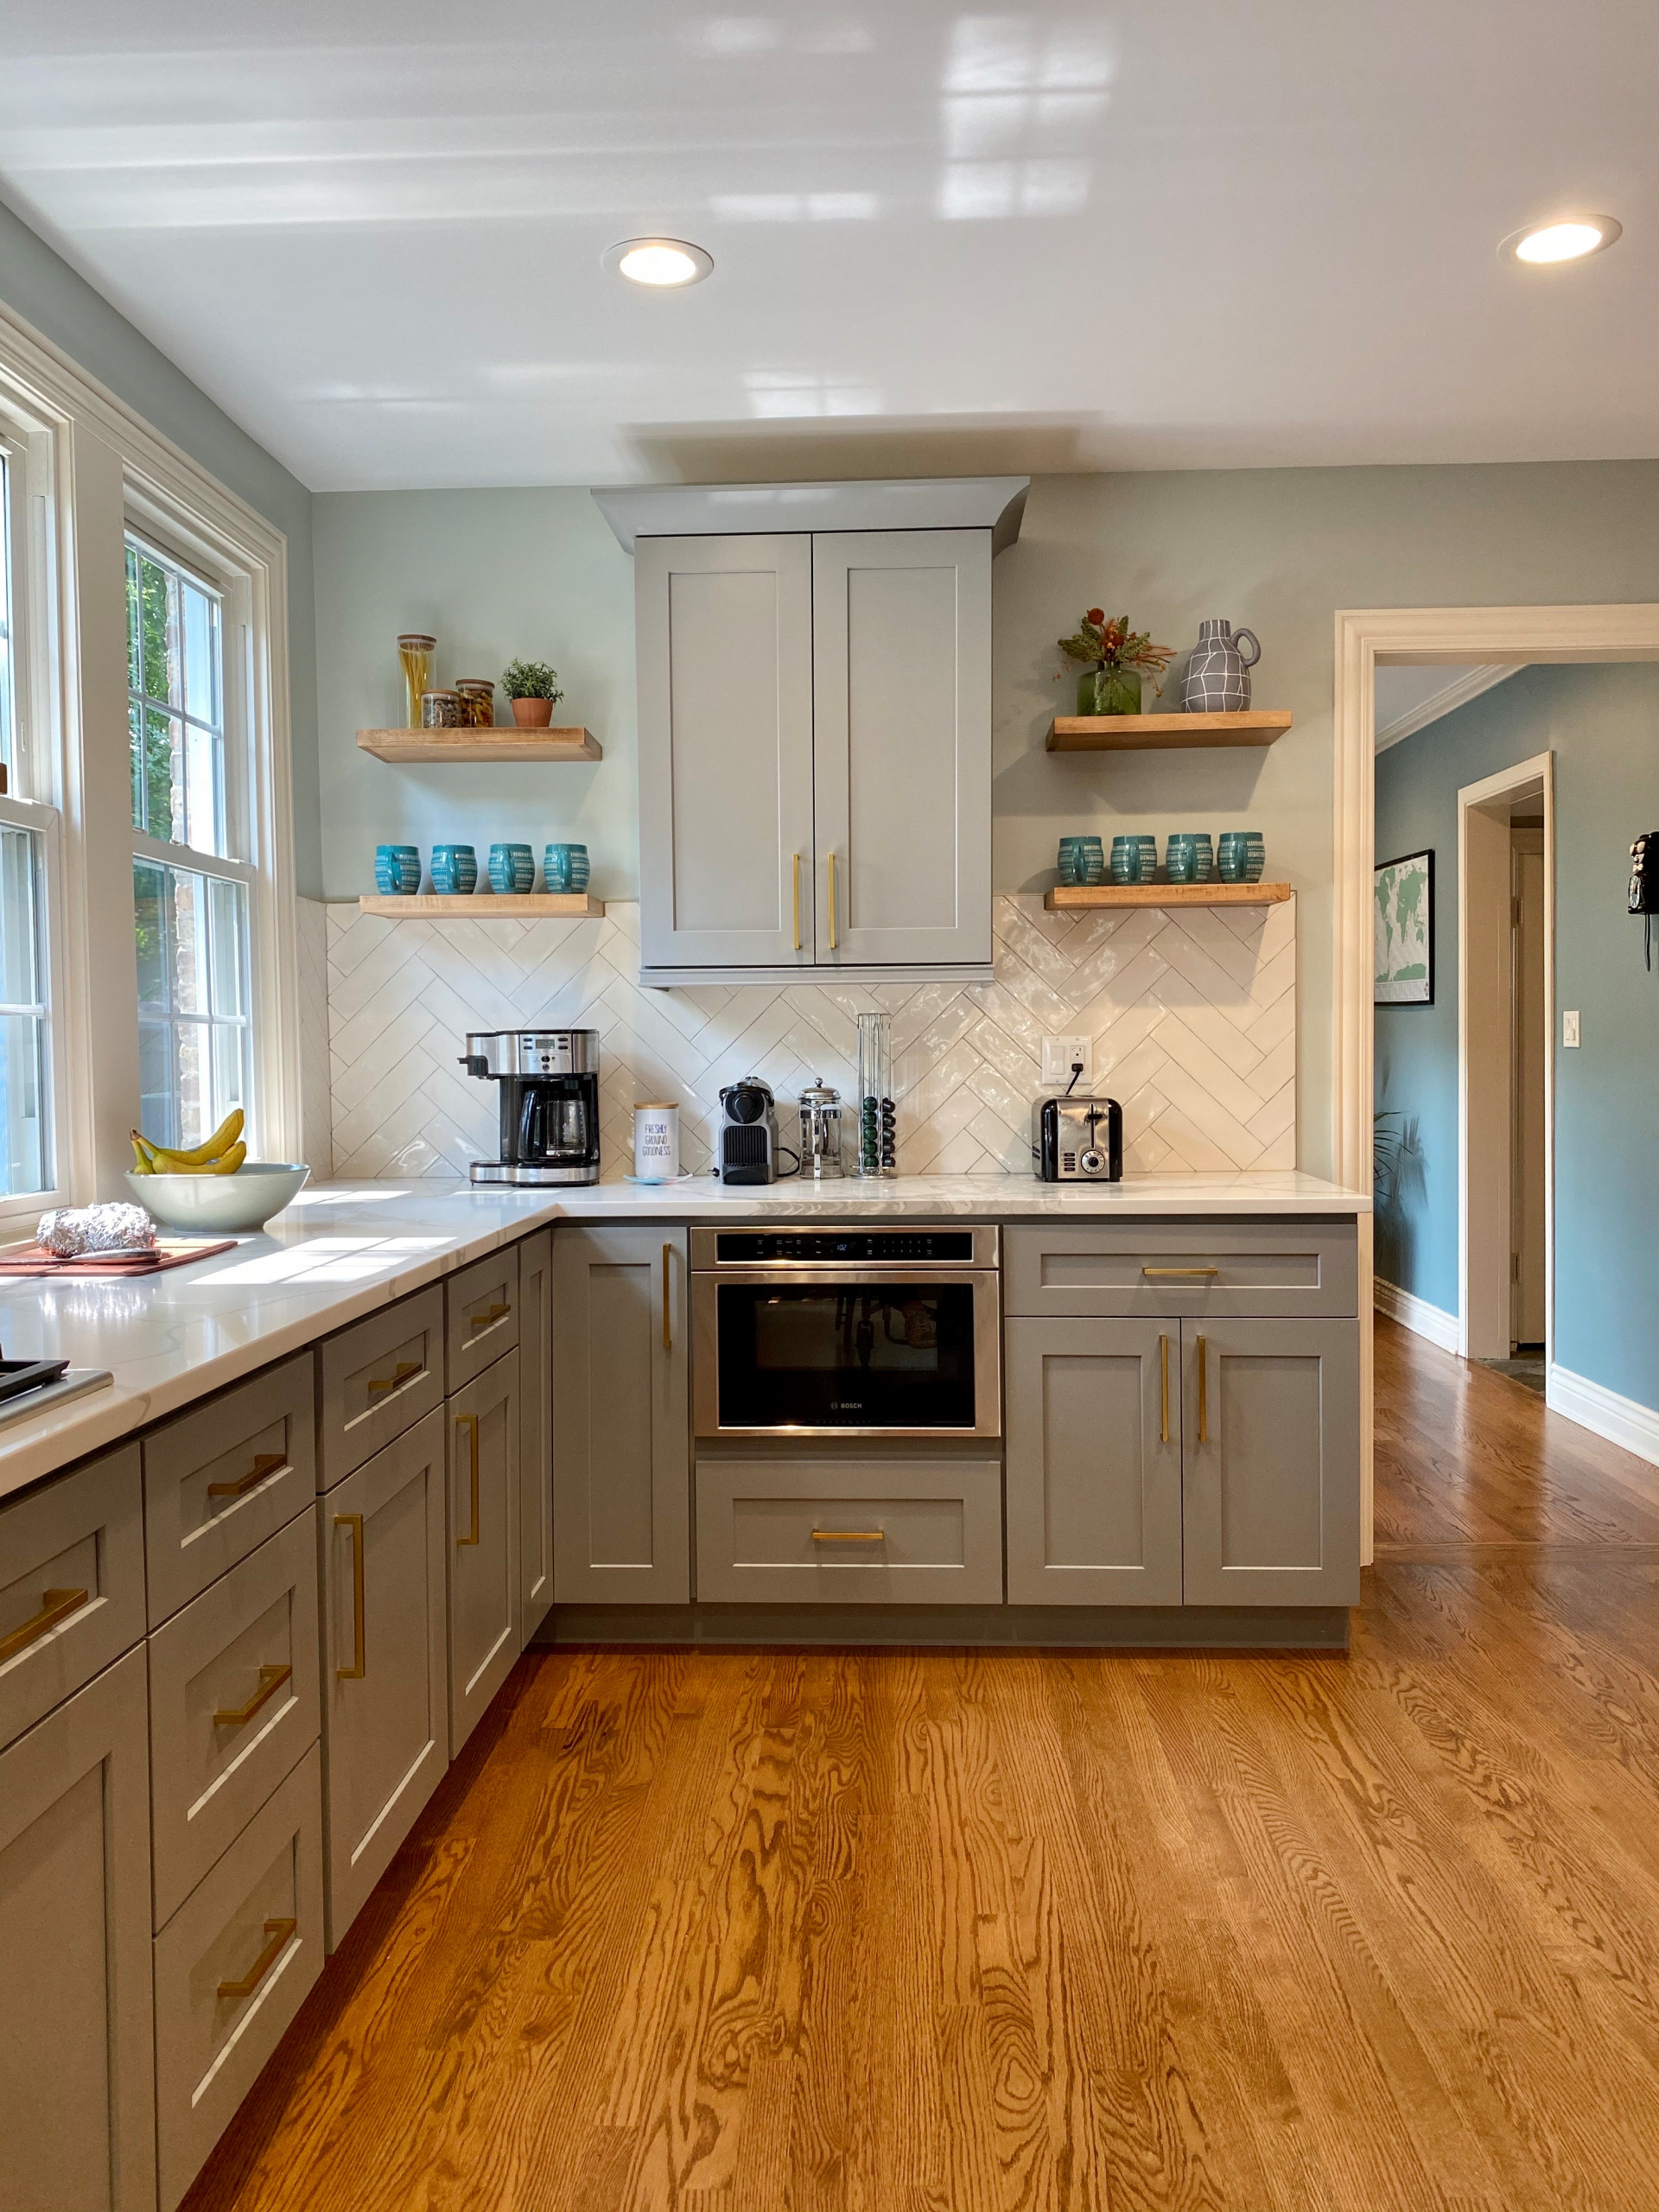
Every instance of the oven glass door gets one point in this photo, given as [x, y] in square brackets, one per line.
[870, 1354]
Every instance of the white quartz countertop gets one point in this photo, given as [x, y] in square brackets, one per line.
[343, 1250]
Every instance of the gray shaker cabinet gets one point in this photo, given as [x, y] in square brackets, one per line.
[76, 2048]
[535, 1432]
[1271, 1506]
[815, 751]
[724, 654]
[1094, 1462]
[485, 1599]
[901, 745]
[621, 1504]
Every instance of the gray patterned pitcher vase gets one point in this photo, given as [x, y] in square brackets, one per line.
[1217, 679]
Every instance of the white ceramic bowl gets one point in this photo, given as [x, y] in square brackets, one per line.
[221, 1205]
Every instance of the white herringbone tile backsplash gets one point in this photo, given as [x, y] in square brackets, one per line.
[1193, 1012]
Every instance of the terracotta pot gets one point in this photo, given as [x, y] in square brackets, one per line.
[532, 714]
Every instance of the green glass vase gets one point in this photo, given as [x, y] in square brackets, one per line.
[1109, 692]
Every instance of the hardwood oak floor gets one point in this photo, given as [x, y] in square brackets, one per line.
[950, 1932]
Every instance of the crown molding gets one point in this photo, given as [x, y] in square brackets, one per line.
[1468, 685]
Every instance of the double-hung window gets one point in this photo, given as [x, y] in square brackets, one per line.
[194, 879]
[28, 844]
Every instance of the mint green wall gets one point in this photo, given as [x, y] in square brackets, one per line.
[1602, 724]
[494, 572]
[37, 284]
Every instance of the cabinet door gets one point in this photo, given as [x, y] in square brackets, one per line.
[77, 2051]
[1093, 1463]
[724, 652]
[1272, 1467]
[484, 1598]
[901, 627]
[384, 1671]
[534, 1433]
[621, 1476]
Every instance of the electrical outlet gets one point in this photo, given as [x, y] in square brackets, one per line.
[1569, 1029]
[1060, 1056]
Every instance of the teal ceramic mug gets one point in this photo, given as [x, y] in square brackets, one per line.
[397, 870]
[455, 870]
[512, 868]
[565, 868]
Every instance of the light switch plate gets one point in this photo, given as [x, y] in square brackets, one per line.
[1570, 1028]
[1059, 1054]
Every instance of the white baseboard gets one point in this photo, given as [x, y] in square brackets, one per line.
[1415, 1314]
[1621, 1420]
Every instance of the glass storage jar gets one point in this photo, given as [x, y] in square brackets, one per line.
[416, 651]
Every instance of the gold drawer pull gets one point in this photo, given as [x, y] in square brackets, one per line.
[267, 1463]
[1203, 1399]
[1163, 1363]
[1185, 1274]
[236, 1716]
[278, 1935]
[832, 902]
[490, 1316]
[359, 1667]
[469, 1421]
[396, 1380]
[849, 1536]
[797, 902]
[55, 1605]
[668, 1330]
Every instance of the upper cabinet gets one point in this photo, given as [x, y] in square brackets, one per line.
[815, 730]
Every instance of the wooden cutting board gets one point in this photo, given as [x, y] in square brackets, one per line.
[165, 1252]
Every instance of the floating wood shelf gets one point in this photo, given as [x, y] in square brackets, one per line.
[479, 905]
[503, 741]
[1155, 732]
[1065, 898]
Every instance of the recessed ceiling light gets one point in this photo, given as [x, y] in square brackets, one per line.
[663, 263]
[1568, 238]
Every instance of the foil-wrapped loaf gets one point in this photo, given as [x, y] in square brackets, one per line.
[70, 1231]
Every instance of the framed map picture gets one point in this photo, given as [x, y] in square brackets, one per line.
[1403, 913]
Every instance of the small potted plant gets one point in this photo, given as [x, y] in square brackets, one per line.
[1114, 658]
[534, 689]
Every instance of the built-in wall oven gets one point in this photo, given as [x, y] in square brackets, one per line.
[859, 1332]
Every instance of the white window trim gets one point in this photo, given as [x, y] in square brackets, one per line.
[165, 493]
[47, 824]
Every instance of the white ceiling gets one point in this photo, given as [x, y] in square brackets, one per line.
[1146, 236]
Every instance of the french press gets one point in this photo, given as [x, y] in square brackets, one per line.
[820, 1129]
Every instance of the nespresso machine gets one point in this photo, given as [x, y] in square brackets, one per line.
[550, 1103]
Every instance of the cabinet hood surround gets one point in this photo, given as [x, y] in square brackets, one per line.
[993, 503]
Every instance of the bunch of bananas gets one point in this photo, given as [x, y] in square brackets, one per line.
[222, 1155]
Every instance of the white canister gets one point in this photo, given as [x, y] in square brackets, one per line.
[657, 1140]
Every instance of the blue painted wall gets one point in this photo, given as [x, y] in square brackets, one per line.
[1602, 724]
[39, 285]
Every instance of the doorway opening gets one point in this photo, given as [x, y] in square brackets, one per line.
[1506, 975]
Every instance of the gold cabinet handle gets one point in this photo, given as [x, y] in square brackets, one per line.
[490, 1316]
[469, 1421]
[396, 1380]
[832, 902]
[667, 1332]
[359, 1667]
[265, 1464]
[55, 1605]
[849, 1536]
[1204, 1395]
[271, 1680]
[797, 902]
[278, 1935]
[1163, 1362]
[1184, 1274]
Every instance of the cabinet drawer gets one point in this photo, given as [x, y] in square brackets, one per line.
[231, 1968]
[481, 1308]
[864, 1532]
[378, 1378]
[71, 1585]
[233, 1704]
[1267, 1270]
[224, 1477]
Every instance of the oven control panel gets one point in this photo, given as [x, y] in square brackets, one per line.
[854, 1247]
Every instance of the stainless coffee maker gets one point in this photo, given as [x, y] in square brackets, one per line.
[550, 1103]
[820, 1129]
